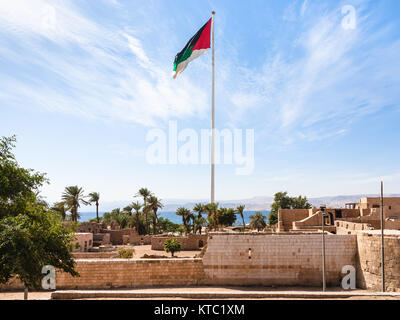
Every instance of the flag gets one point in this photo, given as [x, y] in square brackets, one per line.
[196, 46]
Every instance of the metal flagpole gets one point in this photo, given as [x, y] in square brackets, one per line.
[382, 241]
[322, 208]
[212, 113]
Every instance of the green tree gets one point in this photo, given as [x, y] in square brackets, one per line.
[167, 225]
[172, 245]
[226, 216]
[95, 197]
[154, 204]
[300, 203]
[127, 210]
[31, 235]
[199, 221]
[283, 201]
[145, 194]
[30, 241]
[186, 215]
[73, 198]
[240, 210]
[60, 208]
[137, 206]
[258, 221]
[198, 224]
[19, 187]
[211, 210]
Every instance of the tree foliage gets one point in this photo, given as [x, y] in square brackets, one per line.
[30, 241]
[258, 221]
[31, 235]
[283, 201]
[172, 245]
[19, 187]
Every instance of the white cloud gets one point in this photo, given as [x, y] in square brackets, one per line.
[328, 77]
[89, 69]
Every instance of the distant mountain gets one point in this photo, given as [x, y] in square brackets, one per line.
[254, 203]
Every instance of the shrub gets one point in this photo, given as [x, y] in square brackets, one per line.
[126, 253]
[172, 245]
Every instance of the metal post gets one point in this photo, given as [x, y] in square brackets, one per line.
[382, 240]
[212, 112]
[323, 254]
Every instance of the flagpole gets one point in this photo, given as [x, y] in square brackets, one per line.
[212, 113]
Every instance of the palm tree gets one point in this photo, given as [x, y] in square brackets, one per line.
[145, 193]
[73, 197]
[198, 223]
[211, 210]
[186, 215]
[257, 221]
[200, 209]
[240, 209]
[61, 208]
[95, 197]
[137, 206]
[154, 203]
[127, 210]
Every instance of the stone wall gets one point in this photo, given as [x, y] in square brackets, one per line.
[250, 259]
[137, 239]
[83, 242]
[345, 227]
[92, 227]
[286, 217]
[277, 259]
[116, 236]
[130, 273]
[95, 255]
[369, 273]
[189, 242]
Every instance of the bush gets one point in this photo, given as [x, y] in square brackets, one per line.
[126, 253]
[172, 245]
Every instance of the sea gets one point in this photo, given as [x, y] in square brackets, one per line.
[85, 216]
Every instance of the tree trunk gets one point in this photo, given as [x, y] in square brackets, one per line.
[97, 212]
[244, 226]
[137, 222]
[26, 293]
[199, 217]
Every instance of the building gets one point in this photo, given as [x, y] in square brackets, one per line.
[367, 212]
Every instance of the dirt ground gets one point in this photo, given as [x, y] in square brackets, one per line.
[146, 249]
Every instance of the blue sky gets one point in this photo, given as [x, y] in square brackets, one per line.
[82, 82]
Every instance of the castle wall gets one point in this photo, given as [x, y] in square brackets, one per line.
[346, 227]
[249, 259]
[369, 273]
[286, 217]
[136, 239]
[277, 259]
[189, 242]
[84, 241]
[128, 273]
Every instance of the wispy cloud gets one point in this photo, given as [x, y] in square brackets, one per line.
[320, 74]
[327, 77]
[84, 68]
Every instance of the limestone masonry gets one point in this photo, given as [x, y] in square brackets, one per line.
[249, 259]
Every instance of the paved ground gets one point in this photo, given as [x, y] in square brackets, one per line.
[209, 293]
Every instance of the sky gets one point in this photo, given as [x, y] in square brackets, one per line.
[82, 83]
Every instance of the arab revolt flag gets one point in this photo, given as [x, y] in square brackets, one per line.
[196, 46]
